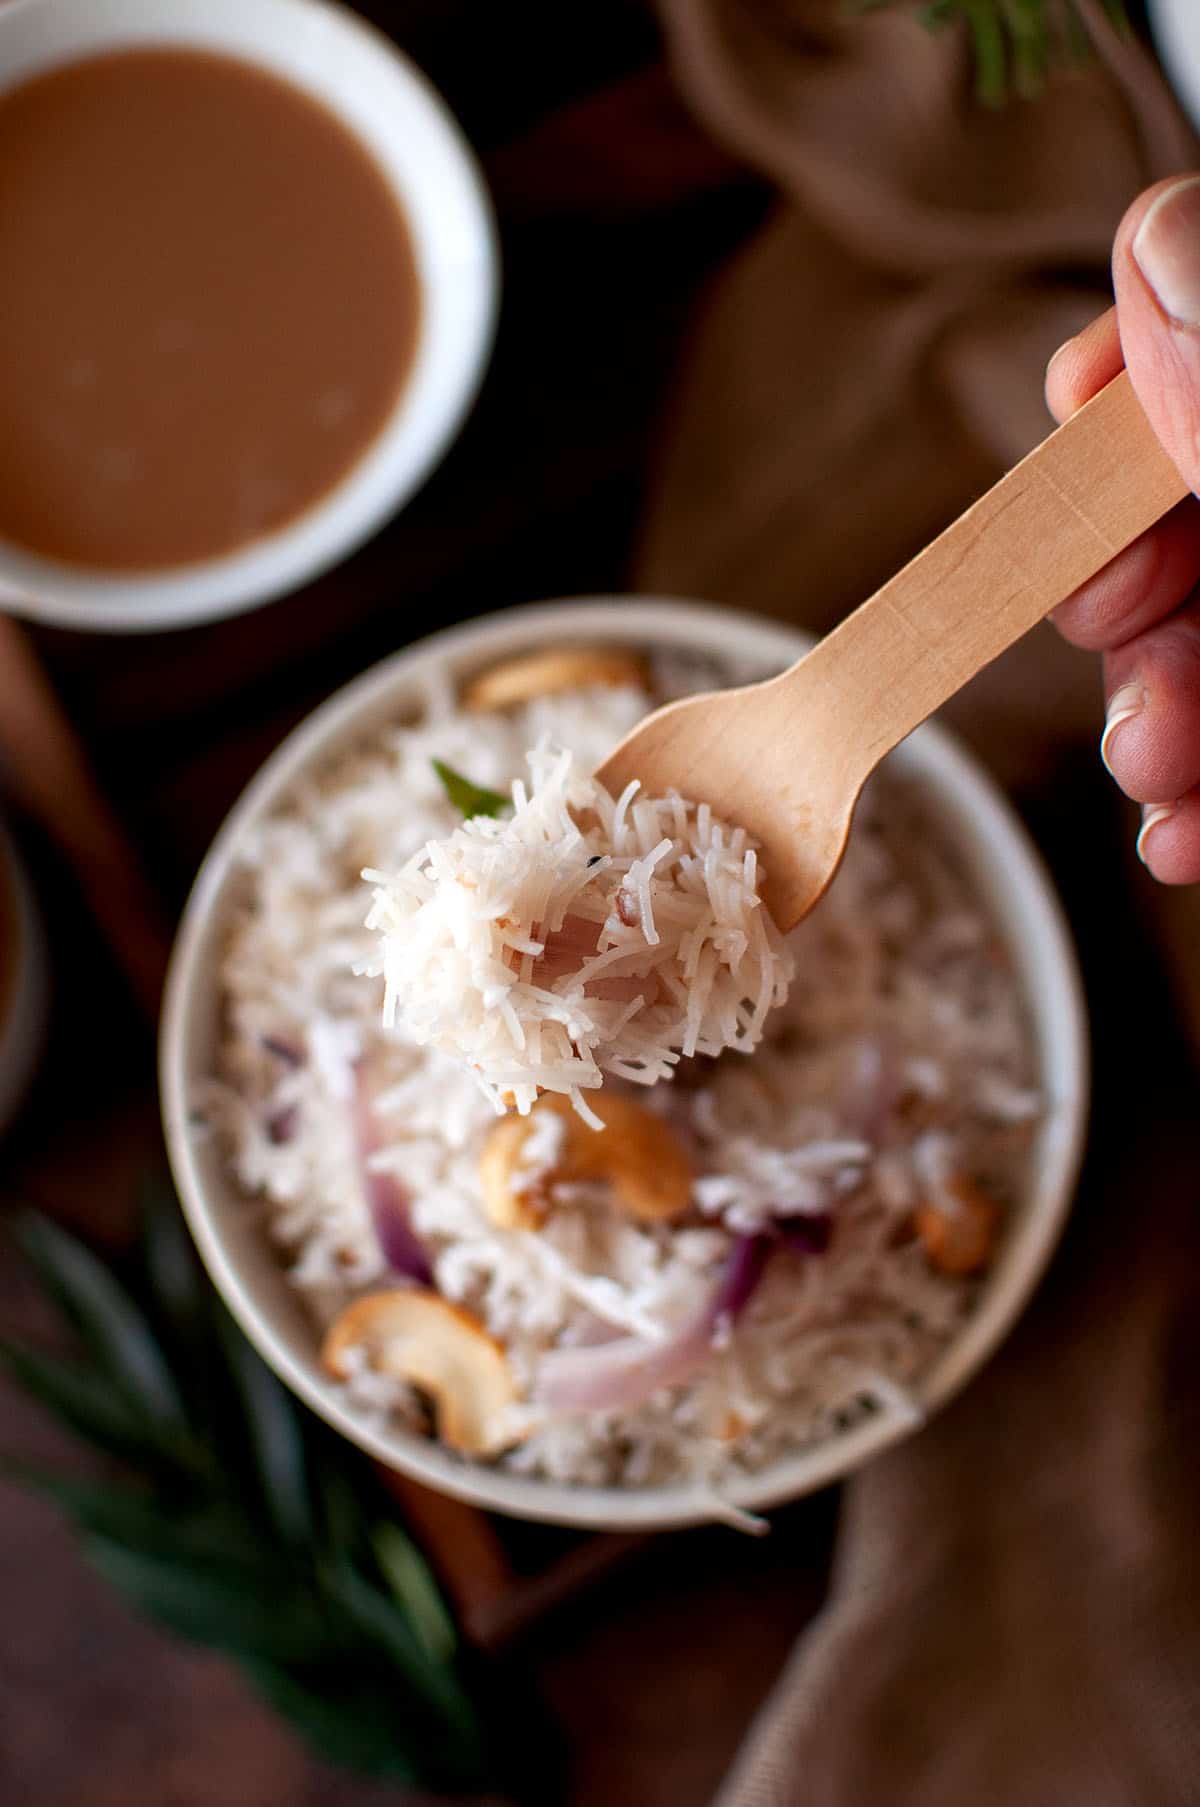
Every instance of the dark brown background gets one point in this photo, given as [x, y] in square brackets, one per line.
[614, 213]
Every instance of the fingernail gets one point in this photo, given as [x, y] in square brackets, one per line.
[1152, 815]
[1123, 705]
[1167, 250]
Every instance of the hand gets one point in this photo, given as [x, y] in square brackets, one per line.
[1142, 611]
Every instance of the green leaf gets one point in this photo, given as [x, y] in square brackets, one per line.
[991, 62]
[252, 1532]
[275, 1436]
[354, 1715]
[172, 1268]
[143, 1519]
[472, 799]
[1076, 44]
[1014, 42]
[88, 1403]
[1028, 29]
[245, 1609]
[345, 1525]
[96, 1504]
[114, 1330]
[376, 1617]
[410, 1580]
[343, 1719]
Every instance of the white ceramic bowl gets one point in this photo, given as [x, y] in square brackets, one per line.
[24, 1001]
[1175, 25]
[1000, 860]
[376, 91]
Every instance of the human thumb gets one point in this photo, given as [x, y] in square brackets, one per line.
[1156, 274]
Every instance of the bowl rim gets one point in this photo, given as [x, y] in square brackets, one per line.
[1057, 1008]
[450, 358]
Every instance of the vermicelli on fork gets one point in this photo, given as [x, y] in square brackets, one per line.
[584, 935]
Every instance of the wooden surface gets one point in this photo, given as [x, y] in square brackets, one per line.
[787, 759]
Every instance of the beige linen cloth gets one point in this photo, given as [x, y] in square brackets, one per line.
[1015, 1612]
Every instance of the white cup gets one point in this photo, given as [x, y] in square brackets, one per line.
[375, 91]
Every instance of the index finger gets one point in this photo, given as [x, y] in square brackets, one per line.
[1081, 367]
[1151, 578]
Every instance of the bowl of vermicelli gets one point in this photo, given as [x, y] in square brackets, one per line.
[632, 1212]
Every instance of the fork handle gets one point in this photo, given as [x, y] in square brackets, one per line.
[1056, 519]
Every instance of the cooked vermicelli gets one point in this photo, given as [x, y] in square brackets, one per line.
[811, 1268]
[581, 935]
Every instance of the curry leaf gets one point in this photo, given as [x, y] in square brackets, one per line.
[114, 1330]
[247, 1529]
[472, 799]
[409, 1579]
[349, 1720]
[377, 1618]
[275, 1435]
[172, 1271]
[241, 1608]
[1014, 43]
[142, 1519]
[85, 1400]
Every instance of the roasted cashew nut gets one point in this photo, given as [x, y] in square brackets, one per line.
[557, 669]
[440, 1349]
[959, 1227]
[636, 1155]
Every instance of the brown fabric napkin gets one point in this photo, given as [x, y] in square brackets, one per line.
[1015, 1613]
[875, 358]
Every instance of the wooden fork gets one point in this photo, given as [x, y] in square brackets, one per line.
[787, 759]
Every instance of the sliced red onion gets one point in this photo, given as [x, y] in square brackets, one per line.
[567, 949]
[622, 1374]
[805, 1233]
[282, 1124]
[619, 1375]
[388, 1199]
[871, 1088]
[739, 1278]
[588, 1332]
[389, 1203]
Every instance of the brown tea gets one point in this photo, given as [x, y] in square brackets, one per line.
[209, 305]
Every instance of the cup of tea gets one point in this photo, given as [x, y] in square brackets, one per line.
[250, 289]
